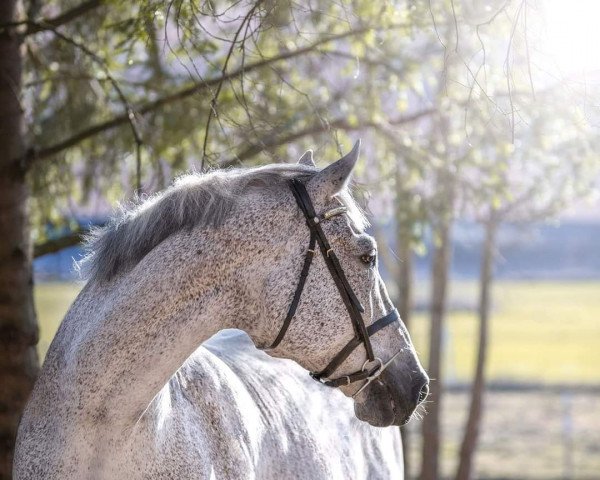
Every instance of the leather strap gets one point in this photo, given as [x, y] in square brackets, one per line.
[310, 253]
[346, 379]
[345, 352]
[353, 305]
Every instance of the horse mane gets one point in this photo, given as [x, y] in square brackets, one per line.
[193, 200]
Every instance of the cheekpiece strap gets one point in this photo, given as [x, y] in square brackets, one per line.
[353, 305]
[310, 254]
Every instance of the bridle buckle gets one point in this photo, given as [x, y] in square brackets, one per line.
[377, 372]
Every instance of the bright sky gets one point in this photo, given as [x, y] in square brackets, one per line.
[572, 34]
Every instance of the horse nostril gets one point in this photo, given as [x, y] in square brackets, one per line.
[423, 393]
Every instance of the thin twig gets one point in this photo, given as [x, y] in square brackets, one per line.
[213, 102]
[455, 25]
[527, 53]
[508, 75]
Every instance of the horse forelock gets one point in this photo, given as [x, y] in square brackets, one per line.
[194, 200]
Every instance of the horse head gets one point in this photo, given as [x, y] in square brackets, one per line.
[325, 301]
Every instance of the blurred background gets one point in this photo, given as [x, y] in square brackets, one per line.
[480, 168]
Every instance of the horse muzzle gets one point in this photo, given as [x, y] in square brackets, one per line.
[392, 399]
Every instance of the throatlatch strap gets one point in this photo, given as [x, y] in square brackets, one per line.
[352, 304]
[296, 300]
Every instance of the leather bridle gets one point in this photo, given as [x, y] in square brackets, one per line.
[362, 333]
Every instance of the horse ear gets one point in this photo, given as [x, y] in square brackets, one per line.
[307, 159]
[334, 178]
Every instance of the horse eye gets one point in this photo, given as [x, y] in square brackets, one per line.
[369, 259]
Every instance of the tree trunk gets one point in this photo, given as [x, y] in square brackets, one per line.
[405, 300]
[431, 421]
[18, 328]
[404, 273]
[467, 450]
[405, 289]
[404, 282]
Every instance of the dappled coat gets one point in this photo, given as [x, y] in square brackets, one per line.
[234, 412]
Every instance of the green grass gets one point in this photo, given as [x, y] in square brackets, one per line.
[540, 331]
[544, 332]
[52, 300]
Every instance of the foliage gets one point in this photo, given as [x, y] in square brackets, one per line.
[366, 67]
[310, 91]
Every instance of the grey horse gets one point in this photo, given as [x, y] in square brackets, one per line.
[127, 391]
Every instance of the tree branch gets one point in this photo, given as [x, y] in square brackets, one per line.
[63, 18]
[340, 123]
[54, 22]
[35, 155]
[57, 244]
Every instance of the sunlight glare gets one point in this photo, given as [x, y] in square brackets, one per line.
[572, 31]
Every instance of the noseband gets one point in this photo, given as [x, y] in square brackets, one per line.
[362, 333]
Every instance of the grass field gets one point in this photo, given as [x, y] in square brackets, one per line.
[525, 435]
[52, 300]
[546, 332]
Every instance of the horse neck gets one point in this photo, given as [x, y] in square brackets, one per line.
[130, 335]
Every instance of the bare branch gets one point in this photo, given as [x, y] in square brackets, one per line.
[528, 54]
[340, 123]
[57, 244]
[455, 25]
[508, 70]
